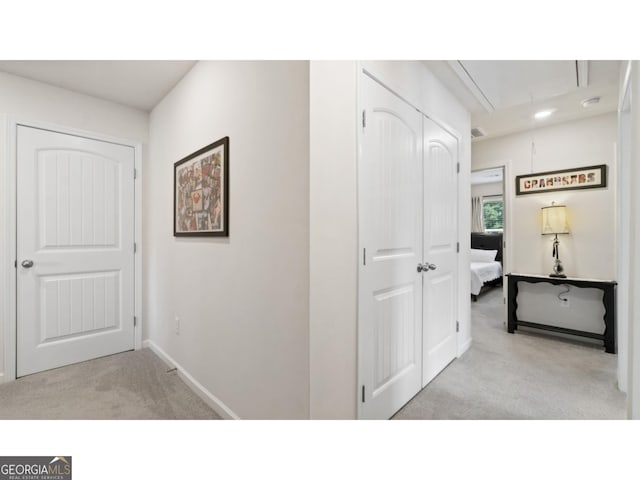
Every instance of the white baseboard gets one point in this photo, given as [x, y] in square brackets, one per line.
[210, 399]
[464, 347]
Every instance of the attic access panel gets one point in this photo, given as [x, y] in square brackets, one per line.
[520, 80]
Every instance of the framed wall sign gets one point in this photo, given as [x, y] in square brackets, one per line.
[201, 192]
[573, 179]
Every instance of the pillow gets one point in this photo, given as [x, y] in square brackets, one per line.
[484, 256]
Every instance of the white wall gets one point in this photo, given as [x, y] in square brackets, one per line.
[333, 240]
[634, 250]
[486, 189]
[243, 301]
[27, 100]
[589, 251]
[623, 223]
[333, 195]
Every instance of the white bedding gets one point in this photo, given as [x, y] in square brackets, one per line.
[482, 272]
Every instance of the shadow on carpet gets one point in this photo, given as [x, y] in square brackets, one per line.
[132, 385]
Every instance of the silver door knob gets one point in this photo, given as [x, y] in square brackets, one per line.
[421, 267]
[429, 266]
[27, 263]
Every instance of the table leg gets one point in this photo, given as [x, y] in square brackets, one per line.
[512, 305]
[609, 301]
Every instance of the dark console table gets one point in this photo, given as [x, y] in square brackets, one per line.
[609, 301]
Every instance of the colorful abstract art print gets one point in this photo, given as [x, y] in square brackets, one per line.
[201, 192]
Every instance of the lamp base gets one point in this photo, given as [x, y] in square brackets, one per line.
[558, 269]
[557, 275]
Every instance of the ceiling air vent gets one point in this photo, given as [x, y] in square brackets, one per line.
[477, 132]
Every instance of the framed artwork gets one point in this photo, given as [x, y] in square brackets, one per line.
[573, 179]
[201, 192]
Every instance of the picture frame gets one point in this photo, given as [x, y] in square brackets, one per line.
[201, 192]
[558, 180]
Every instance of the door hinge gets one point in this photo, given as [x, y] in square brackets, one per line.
[458, 247]
[504, 301]
[362, 393]
[364, 256]
[135, 321]
[457, 326]
[135, 247]
[135, 173]
[458, 168]
[15, 264]
[364, 118]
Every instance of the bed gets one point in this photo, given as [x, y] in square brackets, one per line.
[486, 262]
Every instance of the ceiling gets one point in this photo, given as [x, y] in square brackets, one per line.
[503, 95]
[139, 84]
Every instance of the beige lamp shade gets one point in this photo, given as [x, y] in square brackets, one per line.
[554, 220]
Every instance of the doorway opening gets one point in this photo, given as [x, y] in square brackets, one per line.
[488, 230]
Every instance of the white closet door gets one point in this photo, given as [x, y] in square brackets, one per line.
[440, 249]
[75, 259]
[390, 238]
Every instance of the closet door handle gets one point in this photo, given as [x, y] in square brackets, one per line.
[425, 267]
[27, 263]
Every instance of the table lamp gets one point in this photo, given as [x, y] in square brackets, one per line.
[554, 222]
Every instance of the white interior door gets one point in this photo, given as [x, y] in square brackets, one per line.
[440, 249]
[390, 238]
[75, 258]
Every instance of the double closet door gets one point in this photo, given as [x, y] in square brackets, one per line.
[407, 201]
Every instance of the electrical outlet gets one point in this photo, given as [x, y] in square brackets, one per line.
[177, 325]
[565, 302]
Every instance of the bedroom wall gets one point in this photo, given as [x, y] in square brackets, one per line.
[486, 189]
[589, 251]
[243, 301]
[27, 100]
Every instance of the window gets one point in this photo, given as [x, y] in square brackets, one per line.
[492, 213]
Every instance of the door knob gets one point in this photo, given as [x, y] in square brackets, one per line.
[421, 267]
[27, 263]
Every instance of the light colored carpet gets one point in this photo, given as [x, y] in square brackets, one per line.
[129, 385]
[525, 375]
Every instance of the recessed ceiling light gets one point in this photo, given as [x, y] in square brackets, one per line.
[590, 101]
[544, 113]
